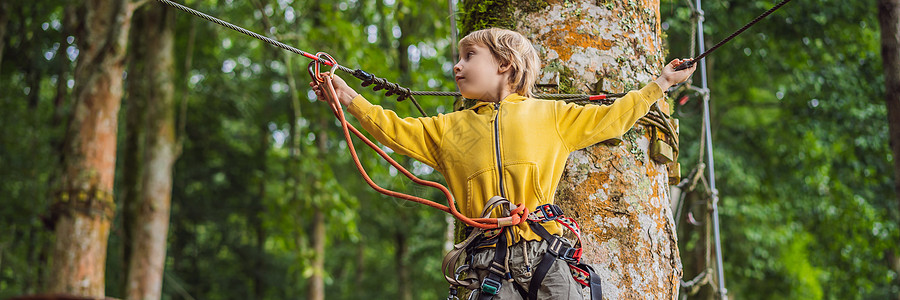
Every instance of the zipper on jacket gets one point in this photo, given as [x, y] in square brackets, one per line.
[497, 146]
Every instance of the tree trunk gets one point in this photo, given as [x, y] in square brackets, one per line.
[889, 19]
[32, 75]
[404, 21]
[63, 65]
[4, 19]
[256, 212]
[316, 289]
[84, 202]
[359, 275]
[151, 90]
[317, 281]
[617, 193]
[404, 282]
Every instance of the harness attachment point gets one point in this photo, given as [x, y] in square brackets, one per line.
[571, 254]
[490, 286]
[452, 294]
[545, 213]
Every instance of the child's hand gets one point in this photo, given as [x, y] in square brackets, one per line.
[345, 93]
[671, 77]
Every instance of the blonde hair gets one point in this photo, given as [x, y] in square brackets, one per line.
[513, 49]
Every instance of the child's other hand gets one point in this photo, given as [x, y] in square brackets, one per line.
[345, 93]
[671, 77]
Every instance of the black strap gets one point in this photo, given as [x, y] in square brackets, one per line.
[491, 284]
[520, 289]
[596, 287]
[540, 231]
[542, 268]
[553, 250]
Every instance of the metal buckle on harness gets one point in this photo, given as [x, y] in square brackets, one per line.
[551, 212]
[571, 254]
[453, 293]
[490, 286]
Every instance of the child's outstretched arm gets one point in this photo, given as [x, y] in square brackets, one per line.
[582, 126]
[418, 138]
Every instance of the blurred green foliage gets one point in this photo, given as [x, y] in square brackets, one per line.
[808, 208]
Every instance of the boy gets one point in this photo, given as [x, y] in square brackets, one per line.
[506, 145]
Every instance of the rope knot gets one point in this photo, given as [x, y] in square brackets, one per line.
[698, 14]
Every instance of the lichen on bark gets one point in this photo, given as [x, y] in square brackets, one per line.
[477, 15]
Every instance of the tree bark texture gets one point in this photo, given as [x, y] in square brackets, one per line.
[151, 90]
[84, 203]
[317, 280]
[4, 20]
[889, 19]
[617, 193]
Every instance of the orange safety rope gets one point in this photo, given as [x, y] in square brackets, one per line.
[515, 217]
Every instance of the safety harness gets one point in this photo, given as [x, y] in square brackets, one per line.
[499, 271]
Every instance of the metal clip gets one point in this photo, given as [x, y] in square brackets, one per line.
[490, 286]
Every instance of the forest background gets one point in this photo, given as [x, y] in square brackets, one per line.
[808, 205]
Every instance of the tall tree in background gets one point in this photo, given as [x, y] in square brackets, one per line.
[4, 19]
[317, 230]
[150, 151]
[84, 203]
[889, 19]
[617, 193]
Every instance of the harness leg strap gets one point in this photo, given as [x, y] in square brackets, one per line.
[596, 288]
[491, 284]
[543, 267]
[550, 257]
[593, 281]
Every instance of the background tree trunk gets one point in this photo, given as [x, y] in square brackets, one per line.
[617, 193]
[255, 215]
[4, 19]
[889, 19]
[84, 203]
[317, 281]
[151, 90]
[404, 18]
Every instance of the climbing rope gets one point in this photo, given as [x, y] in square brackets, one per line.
[404, 93]
[699, 11]
[367, 78]
[514, 217]
[718, 282]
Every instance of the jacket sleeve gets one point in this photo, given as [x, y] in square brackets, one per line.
[419, 138]
[582, 126]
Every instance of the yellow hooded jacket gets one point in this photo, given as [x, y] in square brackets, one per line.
[516, 148]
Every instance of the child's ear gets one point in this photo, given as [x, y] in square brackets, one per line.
[504, 68]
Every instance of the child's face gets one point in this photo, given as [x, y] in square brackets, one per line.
[478, 74]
